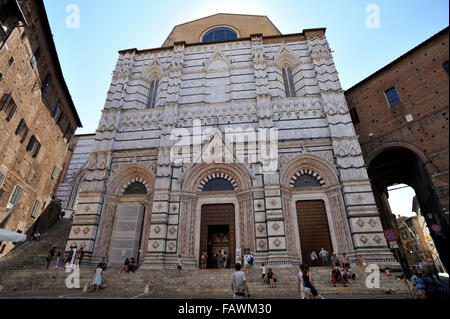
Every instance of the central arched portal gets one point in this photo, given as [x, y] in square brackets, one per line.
[218, 232]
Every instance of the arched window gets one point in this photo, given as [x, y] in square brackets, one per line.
[218, 184]
[135, 188]
[220, 33]
[153, 91]
[288, 81]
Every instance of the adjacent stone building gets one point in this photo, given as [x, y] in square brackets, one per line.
[37, 115]
[231, 136]
[401, 115]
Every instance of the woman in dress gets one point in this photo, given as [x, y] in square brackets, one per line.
[97, 279]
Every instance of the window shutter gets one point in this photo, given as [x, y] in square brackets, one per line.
[2, 178]
[20, 126]
[6, 104]
[36, 206]
[16, 195]
[12, 112]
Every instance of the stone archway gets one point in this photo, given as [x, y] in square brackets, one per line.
[195, 199]
[401, 164]
[126, 214]
[317, 194]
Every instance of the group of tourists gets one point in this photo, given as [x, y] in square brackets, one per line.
[269, 276]
[129, 265]
[67, 260]
[427, 284]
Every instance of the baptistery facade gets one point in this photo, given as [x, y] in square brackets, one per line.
[235, 138]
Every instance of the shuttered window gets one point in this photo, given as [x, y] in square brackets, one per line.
[35, 210]
[2, 178]
[15, 197]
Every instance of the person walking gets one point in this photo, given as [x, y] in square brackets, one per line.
[225, 260]
[300, 282]
[50, 255]
[60, 261]
[314, 258]
[308, 282]
[239, 284]
[324, 255]
[263, 273]
[271, 278]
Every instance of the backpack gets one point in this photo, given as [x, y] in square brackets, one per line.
[250, 260]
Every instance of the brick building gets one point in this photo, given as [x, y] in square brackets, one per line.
[413, 240]
[400, 114]
[37, 115]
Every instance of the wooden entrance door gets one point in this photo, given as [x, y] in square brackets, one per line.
[313, 229]
[218, 232]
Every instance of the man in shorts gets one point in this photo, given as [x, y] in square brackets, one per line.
[239, 284]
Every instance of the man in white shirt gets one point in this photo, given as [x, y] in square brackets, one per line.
[324, 255]
[239, 284]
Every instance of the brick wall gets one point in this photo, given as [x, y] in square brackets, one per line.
[420, 120]
[24, 82]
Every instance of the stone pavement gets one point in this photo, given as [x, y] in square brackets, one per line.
[105, 294]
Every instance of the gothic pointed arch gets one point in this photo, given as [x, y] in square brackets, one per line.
[285, 57]
[218, 62]
[78, 178]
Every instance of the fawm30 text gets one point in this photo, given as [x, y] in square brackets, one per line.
[246, 308]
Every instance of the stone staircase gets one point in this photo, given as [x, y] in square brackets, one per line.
[23, 270]
[32, 254]
[189, 282]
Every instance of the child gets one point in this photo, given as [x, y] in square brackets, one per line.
[180, 264]
[263, 273]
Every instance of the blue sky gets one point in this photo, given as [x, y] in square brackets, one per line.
[88, 54]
